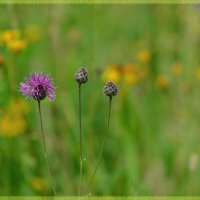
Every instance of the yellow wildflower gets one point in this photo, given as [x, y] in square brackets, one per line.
[16, 45]
[162, 82]
[8, 35]
[144, 56]
[131, 78]
[112, 73]
[177, 69]
[130, 73]
[10, 125]
[130, 68]
[12, 119]
[198, 73]
[38, 184]
[19, 106]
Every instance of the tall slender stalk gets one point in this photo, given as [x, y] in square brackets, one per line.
[45, 149]
[102, 147]
[81, 77]
[81, 145]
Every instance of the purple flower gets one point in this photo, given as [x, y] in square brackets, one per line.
[38, 86]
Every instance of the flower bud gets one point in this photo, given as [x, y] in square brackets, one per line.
[81, 76]
[110, 89]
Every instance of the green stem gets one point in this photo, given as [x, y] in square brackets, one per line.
[81, 145]
[102, 147]
[45, 149]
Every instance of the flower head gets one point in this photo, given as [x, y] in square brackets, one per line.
[110, 89]
[81, 76]
[38, 86]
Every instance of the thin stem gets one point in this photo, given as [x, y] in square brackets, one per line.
[45, 149]
[81, 145]
[102, 147]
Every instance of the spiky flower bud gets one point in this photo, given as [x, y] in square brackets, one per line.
[81, 76]
[110, 89]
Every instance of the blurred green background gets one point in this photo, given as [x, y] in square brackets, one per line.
[150, 51]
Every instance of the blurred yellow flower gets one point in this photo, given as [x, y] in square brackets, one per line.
[130, 73]
[19, 106]
[12, 40]
[38, 184]
[177, 69]
[10, 125]
[112, 73]
[198, 73]
[1, 59]
[33, 33]
[16, 45]
[8, 35]
[162, 82]
[131, 78]
[12, 118]
[144, 56]
[130, 68]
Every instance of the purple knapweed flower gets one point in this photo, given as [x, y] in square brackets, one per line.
[38, 86]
